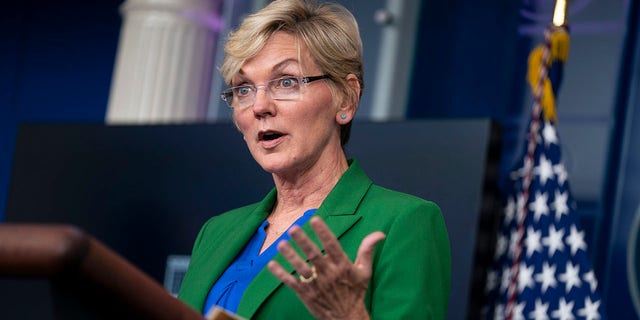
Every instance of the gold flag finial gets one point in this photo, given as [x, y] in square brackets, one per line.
[560, 13]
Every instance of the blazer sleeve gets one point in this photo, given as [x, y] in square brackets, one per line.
[411, 276]
[190, 280]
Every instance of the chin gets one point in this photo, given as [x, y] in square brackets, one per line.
[271, 163]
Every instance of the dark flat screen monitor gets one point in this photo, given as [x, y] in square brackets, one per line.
[146, 190]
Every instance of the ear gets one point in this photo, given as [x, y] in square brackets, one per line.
[349, 106]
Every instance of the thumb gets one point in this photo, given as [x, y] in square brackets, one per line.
[365, 253]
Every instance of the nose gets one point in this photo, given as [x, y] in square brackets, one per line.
[263, 104]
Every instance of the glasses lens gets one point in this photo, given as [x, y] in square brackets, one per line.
[227, 96]
[240, 96]
[284, 88]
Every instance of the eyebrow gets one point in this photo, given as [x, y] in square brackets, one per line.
[278, 66]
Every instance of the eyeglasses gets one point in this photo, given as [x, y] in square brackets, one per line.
[285, 88]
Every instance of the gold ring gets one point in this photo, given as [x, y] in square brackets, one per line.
[314, 275]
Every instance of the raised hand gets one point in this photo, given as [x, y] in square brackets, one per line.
[331, 287]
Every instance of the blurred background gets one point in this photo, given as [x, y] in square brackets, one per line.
[111, 61]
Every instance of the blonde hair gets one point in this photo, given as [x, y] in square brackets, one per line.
[328, 30]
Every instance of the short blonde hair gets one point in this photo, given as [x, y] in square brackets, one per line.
[328, 30]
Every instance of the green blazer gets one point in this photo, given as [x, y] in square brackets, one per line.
[411, 266]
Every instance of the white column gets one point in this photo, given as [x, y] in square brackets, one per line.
[395, 59]
[164, 62]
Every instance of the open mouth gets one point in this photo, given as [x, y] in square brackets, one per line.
[269, 135]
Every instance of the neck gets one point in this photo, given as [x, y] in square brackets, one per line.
[308, 188]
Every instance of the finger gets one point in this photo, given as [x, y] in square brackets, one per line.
[308, 247]
[294, 258]
[365, 253]
[279, 272]
[330, 243]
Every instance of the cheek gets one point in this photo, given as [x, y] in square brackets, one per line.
[317, 117]
[319, 124]
[324, 107]
[241, 122]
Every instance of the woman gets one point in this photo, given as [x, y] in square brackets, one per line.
[295, 71]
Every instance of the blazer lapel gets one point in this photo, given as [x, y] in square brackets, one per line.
[225, 243]
[339, 212]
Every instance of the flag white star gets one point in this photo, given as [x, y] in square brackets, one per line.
[506, 278]
[544, 170]
[509, 211]
[554, 240]
[540, 311]
[525, 277]
[547, 277]
[590, 310]
[498, 313]
[539, 206]
[560, 204]
[564, 311]
[532, 241]
[521, 172]
[501, 245]
[561, 173]
[571, 276]
[590, 278]
[549, 134]
[576, 240]
[518, 311]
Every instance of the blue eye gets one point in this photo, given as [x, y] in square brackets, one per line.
[242, 91]
[287, 82]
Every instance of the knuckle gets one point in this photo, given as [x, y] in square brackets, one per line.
[314, 256]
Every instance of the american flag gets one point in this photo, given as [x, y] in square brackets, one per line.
[542, 270]
[554, 276]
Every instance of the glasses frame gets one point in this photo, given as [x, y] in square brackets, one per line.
[227, 94]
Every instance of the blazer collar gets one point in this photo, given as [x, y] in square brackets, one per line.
[339, 212]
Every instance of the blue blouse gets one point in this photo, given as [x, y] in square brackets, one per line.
[228, 290]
